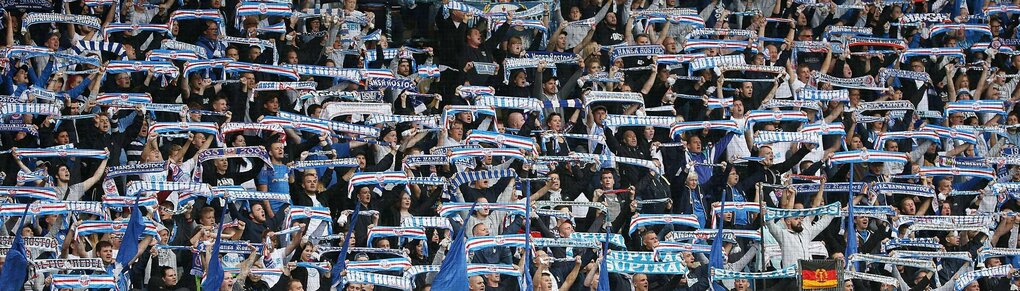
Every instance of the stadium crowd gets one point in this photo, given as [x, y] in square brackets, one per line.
[542, 145]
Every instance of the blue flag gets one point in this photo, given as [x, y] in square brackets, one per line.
[851, 227]
[603, 268]
[526, 280]
[15, 270]
[129, 246]
[717, 260]
[341, 261]
[214, 275]
[451, 274]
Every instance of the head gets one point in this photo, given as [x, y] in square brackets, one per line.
[795, 224]
[169, 276]
[607, 180]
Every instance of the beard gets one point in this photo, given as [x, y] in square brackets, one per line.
[797, 228]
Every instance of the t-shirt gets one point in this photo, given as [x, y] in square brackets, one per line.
[277, 180]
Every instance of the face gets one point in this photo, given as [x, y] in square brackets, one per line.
[554, 181]
[474, 38]
[630, 138]
[640, 282]
[124, 80]
[694, 143]
[307, 252]
[276, 151]
[106, 254]
[233, 54]
[254, 53]
[575, 13]
[766, 154]
[258, 213]
[550, 87]
[63, 174]
[598, 116]
[310, 184]
[795, 224]
[292, 58]
[63, 138]
[220, 105]
[170, 277]
[607, 180]
[220, 164]
[650, 240]
[273, 105]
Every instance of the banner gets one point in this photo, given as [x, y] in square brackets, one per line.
[820, 275]
[666, 268]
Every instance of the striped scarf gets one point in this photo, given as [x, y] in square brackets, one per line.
[932, 52]
[244, 195]
[723, 274]
[885, 73]
[451, 208]
[1000, 271]
[623, 51]
[500, 139]
[173, 55]
[192, 66]
[321, 164]
[331, 110]
[26, 128]
[727, 125]
[395, 282]
[889, 188]
[308, 212]
[458, 155]
[137, 187]
[380, 265]
[712, 62]
[483, 242]
[928, 242]
[39, 193]
[776, 213]
[757, 116]
[929, 255]
[346, 74]
[107, 46]
[278, 28]
[70, 281]
[135, 28]
[118, 227]
[977, 106]
[426, 160]
[284, 86]
[30, 108]
[505, 102]
[124, 98]
[34, 209]
[645, 220]
[452, 111]
[128, 201]
[824, 95]
[484, 269]
[897, 135]
[426, 222]
[210, 128]
[471, 176]
[376, 178]
[914, 263]
[333, 125]
[83, 20]
[953, 134]
[632, 120]
[234, 67]
[863, 83]
[614, 97]
[232, 127]
[965, 221]
[196, 14]
[866, 156]
[171, 44]
[284, 123]
[770, 137]
[984, 173]
[739, 45]
[823, 128]
[401, 232]
[63, 152]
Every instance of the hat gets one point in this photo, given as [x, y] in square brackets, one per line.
[963, 91]
[40, 163]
